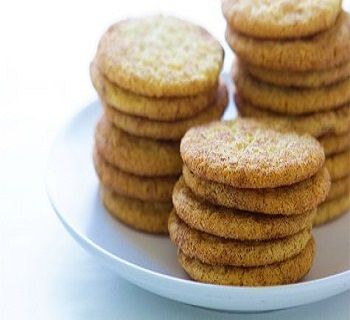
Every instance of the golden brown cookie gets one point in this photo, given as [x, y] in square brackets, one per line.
[321, 51]
[130, 185]
[160, 56]
[232, 223]
[332, 209]
[246, 153]
[333, 144]
[339, 188]
[145, 216]
[317, 124]
[308, 79]
[140, 156]
[168, 130]
[338, 165]
[165, 109]
[291, 100]
[294, 199]
[280, 19]
[214, 250]
[288, 271]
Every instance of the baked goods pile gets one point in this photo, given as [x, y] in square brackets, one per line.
[293, 66]
[244, 207]
[156, 77]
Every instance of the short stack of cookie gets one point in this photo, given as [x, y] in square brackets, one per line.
[293, 65]
[156, 77]
[244, 207]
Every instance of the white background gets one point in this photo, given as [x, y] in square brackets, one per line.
[45, 50]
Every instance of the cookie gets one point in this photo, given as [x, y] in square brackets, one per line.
[292, 101]
[332, 209]
[219, 251]
[145, 216]
[288, 271]
[333, 144]
[130, 185]
[139, 156]
[338, 165]
[232, 223]
[163, 130]
[280, 19]
[308, 79]
[339, 188]
[317, 124]
[321, 51]
[246, 153]
[164, 109]
[160, 56]
[295, 199]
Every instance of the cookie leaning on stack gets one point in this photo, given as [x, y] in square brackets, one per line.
[244, 208]
[156, 77]
[293, 67]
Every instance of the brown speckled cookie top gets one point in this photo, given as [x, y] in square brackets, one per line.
[233, 223]
[288, 271]
[336, 121]
[246, 153]
[215, 250]
[126, 184]
[321, 51]
[168, 130]
[140, 156]
[294, 199]
[160, 56]
[278, 19]
[291, 100]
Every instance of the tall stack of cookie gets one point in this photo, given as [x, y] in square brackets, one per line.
[243, 209]
[156, 77]
[294, 66]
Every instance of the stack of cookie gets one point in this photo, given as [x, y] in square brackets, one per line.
[156, 77]
[244, 207]
[294, 66]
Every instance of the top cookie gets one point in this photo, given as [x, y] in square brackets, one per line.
[246, 153]
[160, 56]
[280, 18]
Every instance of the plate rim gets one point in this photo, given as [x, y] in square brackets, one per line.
[343, 277]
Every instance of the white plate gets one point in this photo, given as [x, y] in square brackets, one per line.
[150, 261]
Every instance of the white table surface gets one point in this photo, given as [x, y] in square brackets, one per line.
[45, 50]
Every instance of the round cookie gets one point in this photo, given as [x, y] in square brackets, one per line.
[140, 156]
[308, 79]
[332, 209]
[130, 185]
[280, 19]
[164, 109]
[339, 188]
[246, 153]
[173, 130]
[333, 144]
[295, 199]
[291, 100]
[321, 51]
[232, 223]
[338, 165]
[214, 250]
[145, 216]
[288, 271]
[317, 124]
[160, 56]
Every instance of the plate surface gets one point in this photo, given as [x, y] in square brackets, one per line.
[150, 261]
